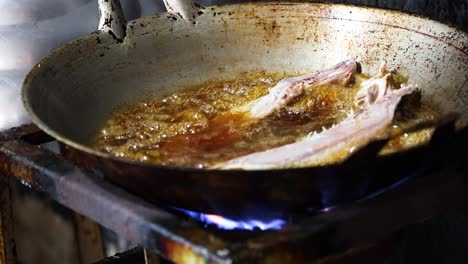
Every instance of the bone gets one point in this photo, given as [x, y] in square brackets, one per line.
[378, 100]
[288, 89]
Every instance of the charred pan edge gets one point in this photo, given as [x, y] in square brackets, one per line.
[450, 33]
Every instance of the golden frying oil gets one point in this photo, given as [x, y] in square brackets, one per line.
[194, 127]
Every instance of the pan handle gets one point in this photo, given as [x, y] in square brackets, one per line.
[186, 9]
[112, 20]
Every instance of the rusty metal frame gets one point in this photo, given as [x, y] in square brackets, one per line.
[132, 256]
[151, 258]
[89, 239]
[179, 239]
[7, 241]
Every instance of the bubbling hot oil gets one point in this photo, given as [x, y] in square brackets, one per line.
[195, 128]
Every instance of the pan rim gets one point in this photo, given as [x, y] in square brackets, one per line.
[26, 87]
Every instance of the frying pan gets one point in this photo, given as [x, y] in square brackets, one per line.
[72, 92]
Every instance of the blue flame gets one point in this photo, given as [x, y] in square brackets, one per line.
[229, 224]
[327, 209]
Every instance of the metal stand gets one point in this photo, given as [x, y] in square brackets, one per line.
[90, 244]
[89, 239]
[7, 241]
[323, 238]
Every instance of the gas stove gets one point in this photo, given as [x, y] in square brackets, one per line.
[349, 233]
[340, 234]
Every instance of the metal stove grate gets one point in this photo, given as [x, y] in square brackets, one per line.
[327, 236]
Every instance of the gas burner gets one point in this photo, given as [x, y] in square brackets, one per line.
[224, 223]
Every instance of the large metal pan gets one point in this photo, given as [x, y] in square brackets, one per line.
[75, 89]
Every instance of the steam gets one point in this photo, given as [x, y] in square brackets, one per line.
[28, 37]
[31, 29]
[12, 112]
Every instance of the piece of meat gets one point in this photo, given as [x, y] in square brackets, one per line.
[377, 99]
[226, 129]
[288, 89]
[370, 90]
